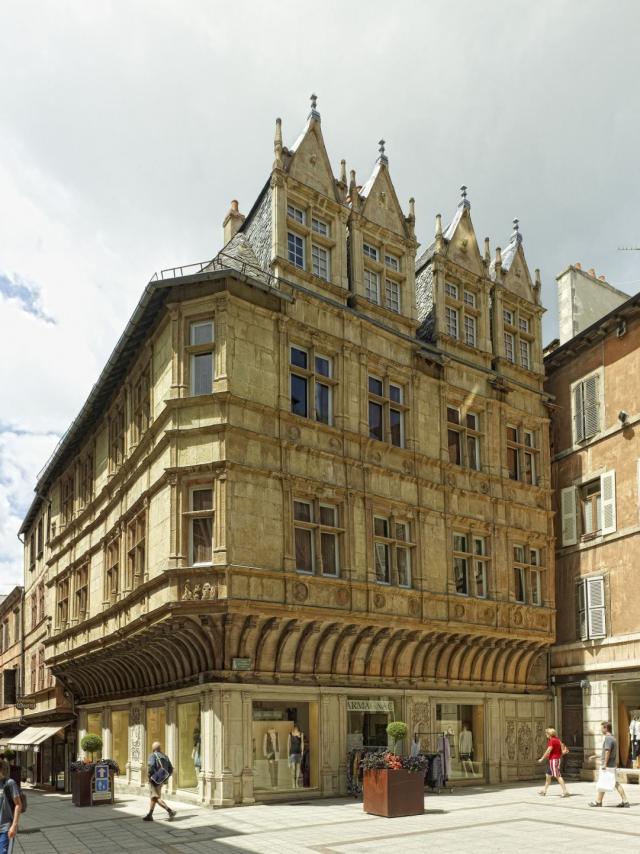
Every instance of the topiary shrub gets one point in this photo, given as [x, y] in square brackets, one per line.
[91, 744]
[9, 754]
[397, 731]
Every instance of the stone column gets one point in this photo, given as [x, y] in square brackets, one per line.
[136, 770]
[247, 750]
[596, 707]
[107, 733]
[207, 749]
[171, 747]
[494, 738]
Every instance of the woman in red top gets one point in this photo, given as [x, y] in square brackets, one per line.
[553, 755]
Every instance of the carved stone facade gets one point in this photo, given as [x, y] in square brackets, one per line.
[303, 506]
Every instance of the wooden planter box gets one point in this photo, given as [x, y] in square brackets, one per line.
[81, 782]
[393, 793]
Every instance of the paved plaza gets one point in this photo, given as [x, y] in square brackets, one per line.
[478, 820]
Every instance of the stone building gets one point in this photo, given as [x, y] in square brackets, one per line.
[596, 475]
[11, 636]
[311, 486]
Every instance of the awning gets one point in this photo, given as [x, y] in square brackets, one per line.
[31, 737]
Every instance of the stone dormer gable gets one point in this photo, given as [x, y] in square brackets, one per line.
[460, 244]
[378, 200]
[307, 160]
[509, 268]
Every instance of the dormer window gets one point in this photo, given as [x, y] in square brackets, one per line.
[451, 290]
[295, 249]
[517, 338]
[320, 261]
[507, 316]
[392, 262]
[469, 299]
[370, 251]
[320, 227]
[372, 286]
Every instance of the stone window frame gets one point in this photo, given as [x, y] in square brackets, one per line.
[189, 515]
[591, 414]
[471, 558]
[63, 591]
[117, 423]
[514, 327]
[81, 586]
[390, 544]
[527, 455]
[466, 434]
[141, 403]
[388, 277]
[136, 544]
[67, 497]
[387, 405]
[531, 572]
[318, 529]
[86, 476]
[458, 306]
[112, 563]
[304, 229]
[193, 351]
[312, 378]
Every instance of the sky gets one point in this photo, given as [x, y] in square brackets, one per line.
[126, 128]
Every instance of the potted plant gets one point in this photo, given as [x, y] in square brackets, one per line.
[91, 744]
[82, 771]
[15, 771]
[393, 785]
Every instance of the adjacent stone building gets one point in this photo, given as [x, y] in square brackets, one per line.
[596, 474]
[11, 637]
[311, 487]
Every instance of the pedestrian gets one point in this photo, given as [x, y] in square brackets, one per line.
[608, 761]
[10, 808]
[553, 755]
[159, 769]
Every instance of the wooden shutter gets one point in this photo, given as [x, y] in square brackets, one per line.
[568, 516]
[591, 404]
[578, 413]
[583, 628]
[596, 607]
[608, 492]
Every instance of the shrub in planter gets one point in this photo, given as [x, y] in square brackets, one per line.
[393, 785]
[397, 731]
[91, 744]
[9, 754]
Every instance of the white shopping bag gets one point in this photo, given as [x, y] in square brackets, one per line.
[606, 780]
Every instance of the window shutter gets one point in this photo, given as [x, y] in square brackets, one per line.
[578, 413]
[596, 605]
[608, 492]
[591, 404]
[583, 629]
[568, 514]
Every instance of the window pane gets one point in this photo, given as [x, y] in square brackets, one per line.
[524, 354]
[403, 561]
[512, 434]
[202, 332]
[508, 346]
[295, 247]
[323, 403]
[299, 357]
[518, 553]
[375, 421]
[395, 419]
[459, 542]
[371, 283]
[451, 321]
[453, 439]
[472, 421]
[470, 330]
[395, 393]
[323, 366]
[320, 227]
[453, 416]
[296, 214]
[329, 546]
[512, 463]
[299, 403]
[460, 575]
[401, 531]
[529, 468]
[470, 299]
[201, 534]
[534, 576]
[518, 580]
[381, 526]
[302, 511]
[392, 262]
[451, 290]
[481, 583]
[304, 550]
[375, 386]
[382, 562]
[202, 499]
[202, 370]
[507, 317]
[479, 546]
[534, 557]
[328, 516]
[370, 251]
[393, 296]
[320, 261]
[473, 452]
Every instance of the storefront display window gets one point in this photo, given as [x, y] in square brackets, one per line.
[285, 746]
[94, 727]
[120, 737]
[189, 761]
[156, 720]
[463, 729]
[367, 720]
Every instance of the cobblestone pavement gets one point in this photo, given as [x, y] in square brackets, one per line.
[480, 819]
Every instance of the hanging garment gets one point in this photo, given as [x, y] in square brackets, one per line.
[466, 742]
[434, 776]
[445, 750]
[271, 744]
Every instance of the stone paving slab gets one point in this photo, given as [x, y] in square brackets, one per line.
[485, 820]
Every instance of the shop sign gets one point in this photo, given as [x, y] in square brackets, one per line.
[241, 664]
[370, 705]
[101, 783]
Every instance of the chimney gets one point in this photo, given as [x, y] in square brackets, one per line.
[578, 265]
[602, 278]
[232, 221]
[592, 272]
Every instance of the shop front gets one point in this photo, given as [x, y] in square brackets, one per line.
[44, 753]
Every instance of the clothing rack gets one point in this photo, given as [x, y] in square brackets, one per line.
[354, 770]
[435, 746]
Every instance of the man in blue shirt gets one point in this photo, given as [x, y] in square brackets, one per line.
[159, 769]
[10, 808]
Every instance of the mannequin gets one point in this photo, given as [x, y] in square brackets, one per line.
[634, 737]
[415, 746]
[465, 746]
[271, 752]
[295, 749]
[195, 753]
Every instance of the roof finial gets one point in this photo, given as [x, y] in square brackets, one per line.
[382, 158]
[516, 225]
[412, 207]
[314, 114]
[343, 171]
[487, 251]
[516, 231]
[438, 225]
[277, 144]
[464, 203]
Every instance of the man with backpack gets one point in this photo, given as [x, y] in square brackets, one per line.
[10, 808]
[159, 770]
